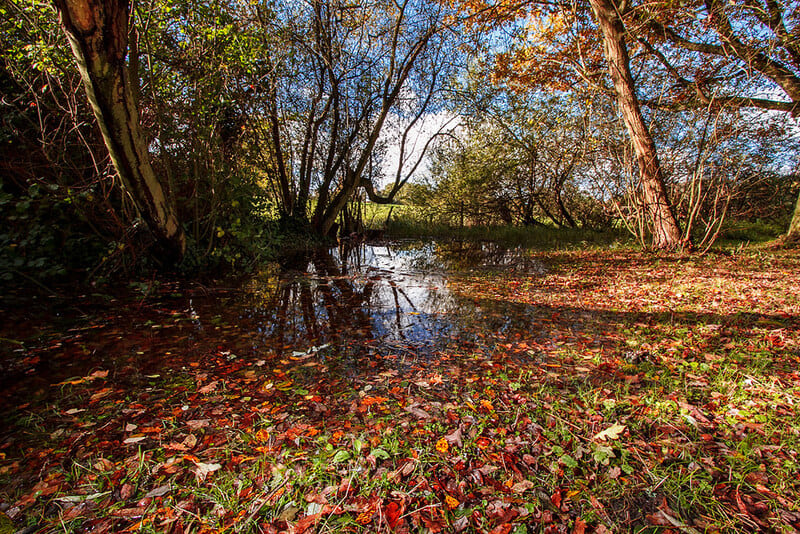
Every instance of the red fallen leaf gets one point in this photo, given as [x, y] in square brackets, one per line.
[74, 512]
[757, 477]
[347, 487]
[103, 464]
[555, 498]
[392, 513]
[245, 492]
[580, 527]
[659, 519]
[432, 520]
[306, 523]
[335, 509]
[738, 497]
[369, 401]
[316, 498]
[502, 529]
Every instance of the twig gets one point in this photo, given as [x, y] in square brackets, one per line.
[434, 505]
[38, 283]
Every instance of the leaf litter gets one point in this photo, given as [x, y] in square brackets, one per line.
[630, 392]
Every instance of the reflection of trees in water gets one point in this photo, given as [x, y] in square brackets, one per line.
[464, 255]
[352, 295]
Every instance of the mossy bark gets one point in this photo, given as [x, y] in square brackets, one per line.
[793, 235]
[98, 34]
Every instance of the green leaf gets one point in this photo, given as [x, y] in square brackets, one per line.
[568, 461]
[380, 454]
[341, 456]
[603, 455]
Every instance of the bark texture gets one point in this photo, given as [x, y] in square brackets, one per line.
[666, 232]
[98, 34]
[793, 235]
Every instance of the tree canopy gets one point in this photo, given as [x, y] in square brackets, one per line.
[216, 127]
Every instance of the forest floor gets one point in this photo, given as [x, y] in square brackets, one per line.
[656, 393]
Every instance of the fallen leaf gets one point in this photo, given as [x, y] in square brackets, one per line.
[521, 487]
[208, 388]
[197, 424]
[418, 412]
[126, 491]
[306, 523]
[159, 491]
[392, 513]
[612, 432]
[454, 438]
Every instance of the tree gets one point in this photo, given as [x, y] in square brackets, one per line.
[712, 47]
[98, 35]
[666, 232]
[343, 71]
[560, 49]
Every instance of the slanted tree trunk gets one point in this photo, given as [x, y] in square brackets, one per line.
[666, 232]
[98, 34]
[793, 235]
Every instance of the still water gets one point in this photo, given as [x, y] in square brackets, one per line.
[393, 296]
[350, 309]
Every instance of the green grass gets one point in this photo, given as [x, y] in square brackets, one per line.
[542, 237]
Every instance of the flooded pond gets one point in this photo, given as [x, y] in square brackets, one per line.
[387, 297]
[351, 309]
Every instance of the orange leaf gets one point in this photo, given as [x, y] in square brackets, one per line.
[451, 502]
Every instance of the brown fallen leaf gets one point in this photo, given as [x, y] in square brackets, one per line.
[159, 491]
[126, 491]
[197, 424]
[521, 487]
[454, 438]
[208, 388]
[418, 412]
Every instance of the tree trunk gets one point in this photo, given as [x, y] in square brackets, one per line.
[666, 232]
[98, 34]
[793, 235]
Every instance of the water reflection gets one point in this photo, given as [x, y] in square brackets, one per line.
[352, 308]
[382, 298]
